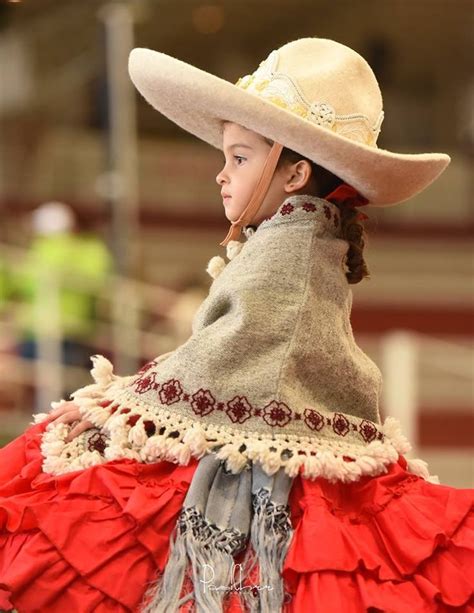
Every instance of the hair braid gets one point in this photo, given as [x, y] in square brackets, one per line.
[354, 233]
[322, 182]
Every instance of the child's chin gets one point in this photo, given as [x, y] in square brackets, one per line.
[232, 212]
[231, 216]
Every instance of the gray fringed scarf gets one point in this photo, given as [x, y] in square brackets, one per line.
[221, 512]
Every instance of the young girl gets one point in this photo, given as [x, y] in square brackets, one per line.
[249, 470]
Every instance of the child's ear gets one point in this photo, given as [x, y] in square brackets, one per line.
[299, 175]
[304, 172]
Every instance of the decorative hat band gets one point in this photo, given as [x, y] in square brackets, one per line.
[283, 91]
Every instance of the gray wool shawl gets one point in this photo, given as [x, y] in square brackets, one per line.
[271, 371]
[271, 384]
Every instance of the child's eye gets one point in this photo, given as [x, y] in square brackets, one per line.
[239, 157]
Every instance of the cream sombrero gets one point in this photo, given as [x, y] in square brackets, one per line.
[313, 95]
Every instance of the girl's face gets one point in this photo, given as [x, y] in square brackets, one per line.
[245, 153]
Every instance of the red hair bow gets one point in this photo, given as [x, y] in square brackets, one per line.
[346, 195]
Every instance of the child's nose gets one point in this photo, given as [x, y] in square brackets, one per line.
[220, 177]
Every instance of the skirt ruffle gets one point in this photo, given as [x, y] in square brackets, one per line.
[392, 543]
[88, 540]
[94, 540]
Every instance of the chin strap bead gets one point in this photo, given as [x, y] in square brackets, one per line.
[215, 266]
[233, 249]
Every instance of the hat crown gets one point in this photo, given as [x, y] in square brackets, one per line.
[324, 82]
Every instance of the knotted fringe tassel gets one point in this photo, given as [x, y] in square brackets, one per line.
[270, 536]
[201, 550]
[213, 567]
[204, 554]
[164, 594]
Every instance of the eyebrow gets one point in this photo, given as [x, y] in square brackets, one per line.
[240, 145]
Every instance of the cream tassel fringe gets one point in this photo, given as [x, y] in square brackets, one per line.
[217, 264]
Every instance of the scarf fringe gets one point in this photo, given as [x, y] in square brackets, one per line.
[270, 536]
[203, 553]
[164, 594]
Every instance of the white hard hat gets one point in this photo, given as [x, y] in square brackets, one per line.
[53, 218]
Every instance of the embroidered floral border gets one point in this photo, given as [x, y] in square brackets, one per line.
[238, 410]
[288, 208]
[147, 434]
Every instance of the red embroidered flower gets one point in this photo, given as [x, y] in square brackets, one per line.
[309, 206]
[327, 211]
[340, 424]
[276, 414]
[220, 406]
[145, 383]
[313, 419]
[287, 209]
[239, 409]
[97, 442]
[367, 430]
[171, 392]
[203, 402]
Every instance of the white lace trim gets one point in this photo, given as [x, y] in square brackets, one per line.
[280, 89]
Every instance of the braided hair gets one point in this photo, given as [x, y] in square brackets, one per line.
[323, 182]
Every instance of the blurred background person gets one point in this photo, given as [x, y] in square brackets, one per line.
[75, 266]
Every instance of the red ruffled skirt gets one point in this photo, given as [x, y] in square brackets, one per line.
[94, 540]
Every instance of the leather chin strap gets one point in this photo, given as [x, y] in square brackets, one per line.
[258, 196]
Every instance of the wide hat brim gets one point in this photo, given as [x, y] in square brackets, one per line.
[199, 101]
